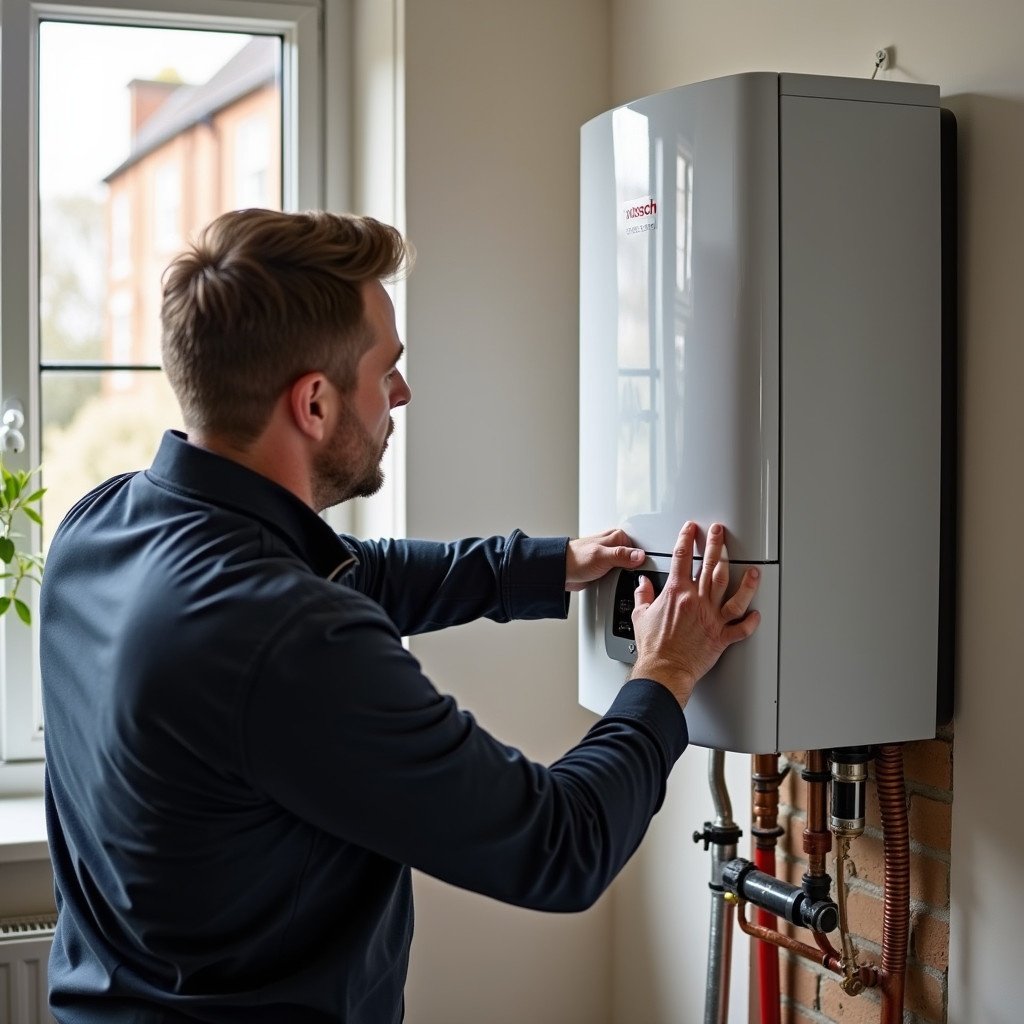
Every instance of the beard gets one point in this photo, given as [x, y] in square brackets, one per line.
[349, 466]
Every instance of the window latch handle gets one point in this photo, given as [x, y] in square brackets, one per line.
[11, 422]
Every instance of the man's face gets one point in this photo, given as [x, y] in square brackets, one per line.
[349, 466]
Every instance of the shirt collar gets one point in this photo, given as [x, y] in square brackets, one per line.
[185, 467]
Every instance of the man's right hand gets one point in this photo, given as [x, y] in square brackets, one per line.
[682, 633]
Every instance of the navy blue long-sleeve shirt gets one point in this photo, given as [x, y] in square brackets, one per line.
[243, 761]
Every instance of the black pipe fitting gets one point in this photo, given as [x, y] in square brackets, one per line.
[718, 835]
[808, 776]
[849, 772]
[817, 887]
[739, 876]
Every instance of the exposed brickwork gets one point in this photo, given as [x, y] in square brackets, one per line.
[838, 1006]
[801, 980]
[929, 763]
[925, 995]
[929, 877]
[930, 821]
[929, 940]
[812, 994]
[800, 1017]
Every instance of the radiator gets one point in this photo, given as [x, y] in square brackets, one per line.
[24, 949]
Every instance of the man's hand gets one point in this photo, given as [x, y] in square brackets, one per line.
[590, 558]
[682, 633]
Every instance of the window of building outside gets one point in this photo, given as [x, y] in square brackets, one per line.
[166, 217]
[120, 339]
[145, 132]
[120, 237]
[252, 159]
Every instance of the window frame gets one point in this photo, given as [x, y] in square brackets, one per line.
[315, 143]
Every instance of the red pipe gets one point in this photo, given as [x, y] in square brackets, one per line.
[767, 954]
[766, 780]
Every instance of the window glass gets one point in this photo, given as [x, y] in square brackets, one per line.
[119, 143]
[252, 161]
[191, 127]
[99, 424]
[167, 208]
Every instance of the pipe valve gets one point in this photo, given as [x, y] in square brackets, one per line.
[787, 901]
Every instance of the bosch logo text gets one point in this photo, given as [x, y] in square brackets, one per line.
[647, 210]
[639, 215]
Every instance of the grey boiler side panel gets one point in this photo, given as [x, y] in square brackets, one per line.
[861, 417]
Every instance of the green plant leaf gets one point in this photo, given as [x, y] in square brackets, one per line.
[19, 565]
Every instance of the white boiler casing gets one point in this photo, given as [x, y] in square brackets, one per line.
[761, 344]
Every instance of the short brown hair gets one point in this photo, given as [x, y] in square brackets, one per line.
[263, 297]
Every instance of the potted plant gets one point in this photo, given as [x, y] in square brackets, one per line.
[18, 565]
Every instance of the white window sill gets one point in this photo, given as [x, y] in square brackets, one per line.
[22, 829]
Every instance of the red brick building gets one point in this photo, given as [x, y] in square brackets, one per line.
[196, 151]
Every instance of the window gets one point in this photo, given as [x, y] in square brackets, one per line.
[684, 225]
[120, 235]
[252, 166]
[121, 308]
[145, 120]
[167, 208]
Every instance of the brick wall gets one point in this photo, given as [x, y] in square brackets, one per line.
[811, 994]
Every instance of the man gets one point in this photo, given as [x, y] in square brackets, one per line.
[243, 761]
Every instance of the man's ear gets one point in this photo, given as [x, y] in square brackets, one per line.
[310, 400]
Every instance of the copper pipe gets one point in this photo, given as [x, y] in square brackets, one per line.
[773, 937]
[892, 800]
[869, 976]
[766, 781]
[817, 837]
[825, 945]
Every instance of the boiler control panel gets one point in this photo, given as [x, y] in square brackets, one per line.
[620, 641]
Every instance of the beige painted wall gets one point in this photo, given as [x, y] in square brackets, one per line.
[495, 92]
[973, 52]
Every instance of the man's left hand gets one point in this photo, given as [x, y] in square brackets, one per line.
[590, 558]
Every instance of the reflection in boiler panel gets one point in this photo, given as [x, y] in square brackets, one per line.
[654, 174]
[635, 488]
[676, 333]
[636, 481]
[684, 226]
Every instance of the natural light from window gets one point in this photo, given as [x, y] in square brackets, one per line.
[145, 135]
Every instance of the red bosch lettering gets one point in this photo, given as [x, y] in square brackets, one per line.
[648, 209]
